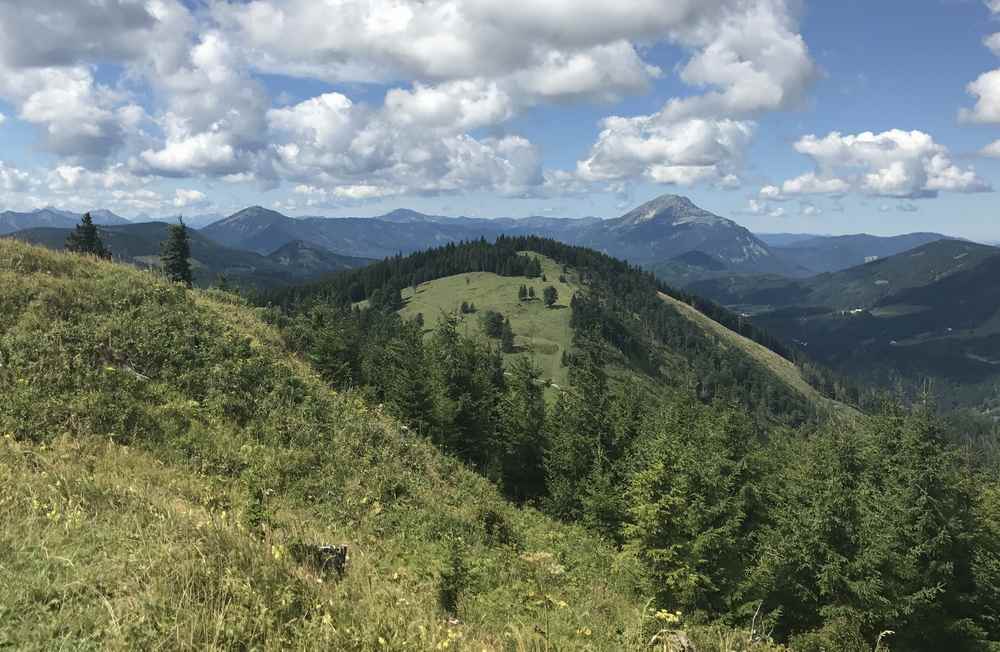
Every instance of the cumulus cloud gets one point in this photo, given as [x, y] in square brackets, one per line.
[757, 207]
[13, 179]
[895, 163]
[809, 209]
[3, 118]
[666, 152]
[751, 58]
[992, 150]
[330, 139]
[986, 90]
[993, 43]
[190, 104]
[190, 198]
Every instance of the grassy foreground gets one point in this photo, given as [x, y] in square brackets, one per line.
[160, 452]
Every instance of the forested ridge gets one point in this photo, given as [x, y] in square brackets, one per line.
[741, 501]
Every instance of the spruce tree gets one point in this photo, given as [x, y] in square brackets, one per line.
[506, 337]
[522, 293]
[85, 240]
[175, 254]
[551, 296]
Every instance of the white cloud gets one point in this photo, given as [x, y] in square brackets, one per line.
[13, 179]
[190, 198]
[3, 118]
[189, 103]
[993, 43]
[74, 178]
[666, 152]
[986, 88]
[809, 209]
[992, 150]
[189, 155]
[455, 106]
[993, 5]
[811, 184]
[751, 58]
[757, 207]
[895, 163]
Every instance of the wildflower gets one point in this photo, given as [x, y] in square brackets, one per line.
[670, 617]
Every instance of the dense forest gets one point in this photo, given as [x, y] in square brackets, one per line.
[742, 501]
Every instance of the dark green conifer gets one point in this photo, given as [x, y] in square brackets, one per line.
[175, 254]
[551, 295]
[85, 239]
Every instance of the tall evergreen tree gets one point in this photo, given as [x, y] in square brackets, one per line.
[85, 239]
[175, 254]
[551, 295]
[506, 337]
[522, 422]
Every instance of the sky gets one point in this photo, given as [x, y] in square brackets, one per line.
[786, 116]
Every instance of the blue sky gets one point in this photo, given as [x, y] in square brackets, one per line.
[827, 117]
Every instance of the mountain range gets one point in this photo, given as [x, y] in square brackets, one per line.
[669, 235]
[139, 244]
[926, 315]
[11, 221]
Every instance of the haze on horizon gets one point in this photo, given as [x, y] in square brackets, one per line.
[783, 115]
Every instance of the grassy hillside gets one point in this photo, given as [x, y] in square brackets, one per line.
[541, 333]
[784, 369]
[162, 453]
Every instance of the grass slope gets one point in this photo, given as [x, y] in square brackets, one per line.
[541, 333]
[159, 452]
[779, 366]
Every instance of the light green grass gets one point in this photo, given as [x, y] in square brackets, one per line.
[783, 369]
[540, 333]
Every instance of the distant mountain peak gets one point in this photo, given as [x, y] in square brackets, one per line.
[257, 214]
[404, 215]
[670, 209]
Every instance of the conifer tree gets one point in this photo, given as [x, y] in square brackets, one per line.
[175, 254]
[531, 293]
[85, 240]
[522, 293]
[506, 337]
[522, 421]
[551, 296]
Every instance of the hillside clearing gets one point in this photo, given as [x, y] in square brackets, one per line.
[541, 333]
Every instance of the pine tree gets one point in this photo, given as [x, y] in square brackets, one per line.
[522, 293]
[85, 239]
[522, 443]
[551, 295]
[175, 254]
[506, 337]
[531, 293]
